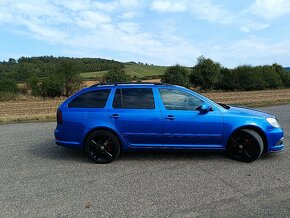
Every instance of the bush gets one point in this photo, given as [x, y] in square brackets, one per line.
[51, 87]
[34, 85]
[6, 96]
[283, 74]
[116, 74]
[8, 85]
[177, 75]
[271, 77]
[206, 73]
[228, 80]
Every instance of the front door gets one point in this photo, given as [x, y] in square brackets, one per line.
[184, 125]
[134, 114]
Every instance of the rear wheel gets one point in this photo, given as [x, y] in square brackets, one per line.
[102, 146]
[245, 145]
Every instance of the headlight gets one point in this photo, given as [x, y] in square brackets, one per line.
[273, 122]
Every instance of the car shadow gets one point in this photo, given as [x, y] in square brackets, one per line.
[172, 155]
[49, 150]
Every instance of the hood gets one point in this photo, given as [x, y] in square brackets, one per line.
[244, 111]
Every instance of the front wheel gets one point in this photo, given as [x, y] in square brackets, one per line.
[245, 145]
[102, 146]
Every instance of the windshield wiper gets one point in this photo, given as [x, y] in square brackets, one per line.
[224, 106]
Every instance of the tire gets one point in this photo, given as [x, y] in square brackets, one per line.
[102, 146]
[246, 145]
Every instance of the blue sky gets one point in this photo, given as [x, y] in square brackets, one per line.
[162, 32]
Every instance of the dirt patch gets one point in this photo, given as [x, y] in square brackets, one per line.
[31, 108]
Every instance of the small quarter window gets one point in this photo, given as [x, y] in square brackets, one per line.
[91, 99]
[134, 98]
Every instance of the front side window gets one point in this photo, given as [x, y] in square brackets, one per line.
[91, 99]
[134, 98]
[178, 100]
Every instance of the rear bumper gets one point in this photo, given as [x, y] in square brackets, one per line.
[74, 145]
[68, 144]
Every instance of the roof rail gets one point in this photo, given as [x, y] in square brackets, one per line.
[128, 83]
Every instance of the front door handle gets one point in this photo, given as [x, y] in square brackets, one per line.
[170, 117]
[115, 116]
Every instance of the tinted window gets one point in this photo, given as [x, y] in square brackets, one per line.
[134, 98]
[92, 99]
[178, 100]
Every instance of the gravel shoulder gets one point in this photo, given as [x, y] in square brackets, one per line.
[40, 179]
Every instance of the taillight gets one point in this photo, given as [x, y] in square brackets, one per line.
[59, 116]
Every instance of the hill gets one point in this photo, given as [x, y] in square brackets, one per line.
[287, 69]
[23, 68]
[141, 71]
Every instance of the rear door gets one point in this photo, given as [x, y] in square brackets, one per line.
[136, 116]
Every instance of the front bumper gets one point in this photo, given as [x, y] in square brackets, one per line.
[275, 140]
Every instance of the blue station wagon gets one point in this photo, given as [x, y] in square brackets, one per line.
[106, 119]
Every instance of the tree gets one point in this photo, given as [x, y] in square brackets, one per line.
[206, 73]
[69, 77]
[34, 85]
[270, 76]
[249, 78]
[8, 85]
[116, 74]
[283, 74]
[228, 80]
[51, 87]
[177, 75]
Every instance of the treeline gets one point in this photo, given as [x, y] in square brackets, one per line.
[25, 67]
[210, 75]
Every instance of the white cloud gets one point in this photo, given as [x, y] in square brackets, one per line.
[201, 9]
[129, 3]
[105, 6]
[91, 19]
[90, 28]
[74, 5]
[129, 27]
[253, 26]
[128, 15]
[206, 10]
[251, 50]
[270, 9]
[168, 6]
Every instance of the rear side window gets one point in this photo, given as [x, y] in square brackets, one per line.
[91, 99]
[134, 98]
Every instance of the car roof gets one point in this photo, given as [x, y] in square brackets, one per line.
[126, 84]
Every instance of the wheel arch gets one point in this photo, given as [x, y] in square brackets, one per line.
[114, 132]
[256, 129]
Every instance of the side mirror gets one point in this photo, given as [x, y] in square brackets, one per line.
[205, 107]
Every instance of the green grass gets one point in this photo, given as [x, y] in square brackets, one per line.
[138, 70]
[93, 75]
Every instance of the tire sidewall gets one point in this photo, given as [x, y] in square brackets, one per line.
[258, 142]
[97, 133]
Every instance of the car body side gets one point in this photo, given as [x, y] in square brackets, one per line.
[78, 123]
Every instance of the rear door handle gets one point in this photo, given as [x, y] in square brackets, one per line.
[115, 116]
[170, 117]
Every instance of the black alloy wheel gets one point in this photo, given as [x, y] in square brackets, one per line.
[102, 146]
[245, 145]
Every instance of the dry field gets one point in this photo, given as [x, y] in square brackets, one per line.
[30, 108]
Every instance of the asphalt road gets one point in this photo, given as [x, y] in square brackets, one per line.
[40, 179]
